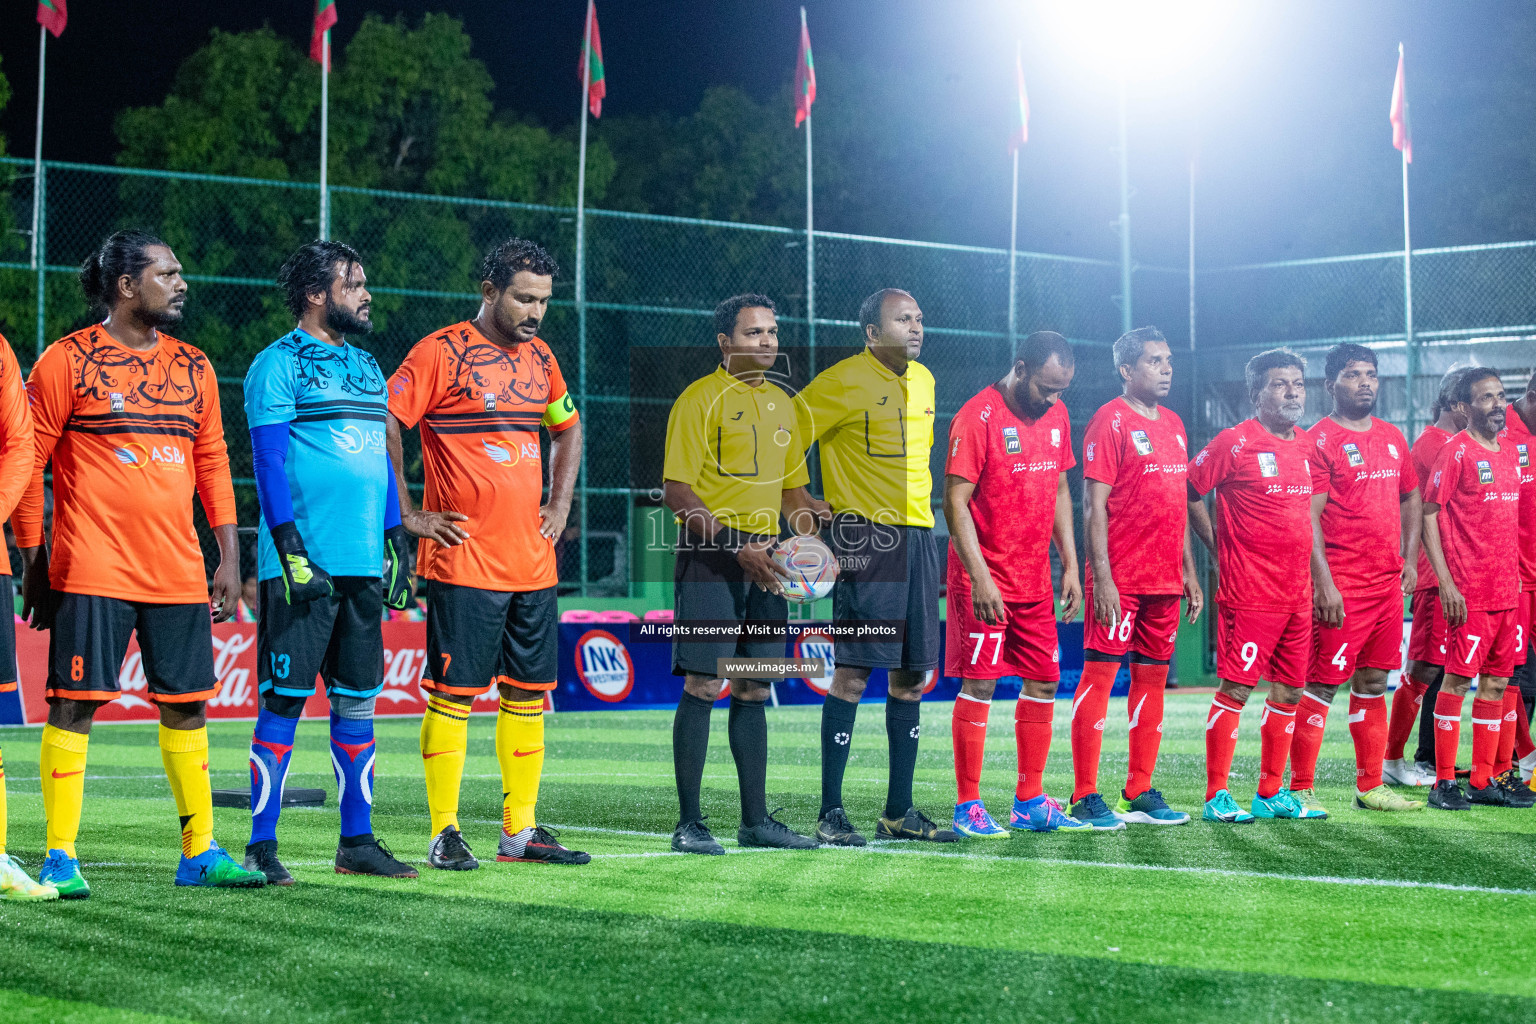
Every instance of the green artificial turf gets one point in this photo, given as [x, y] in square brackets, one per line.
[1421, 917]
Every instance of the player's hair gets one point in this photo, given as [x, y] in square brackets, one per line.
[727, 312]
[1257, 371]
[513, 255]
[873, 305]
[312, 268]
[1035, 350]
[1443, 394]
[1342, 355]
[1129, 346]
[121, 254]
[1531, 386]
[1462, 390]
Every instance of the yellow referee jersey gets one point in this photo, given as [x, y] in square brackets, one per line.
[875, 429]
[738, 447]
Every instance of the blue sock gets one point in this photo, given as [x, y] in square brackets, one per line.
[271, 748]
[352, 757]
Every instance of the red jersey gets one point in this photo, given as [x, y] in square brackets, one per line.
[1263, 488]
[1425, 451]
[1016, 465]
[1146, 463]
[1478, 492]
[1365, 474]
[1519, 435]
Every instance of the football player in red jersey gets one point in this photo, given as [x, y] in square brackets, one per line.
[1259, 470]
[1135, 461]
[1365, 539]
[1006, 500]
[1471, 527]
[1515, 739]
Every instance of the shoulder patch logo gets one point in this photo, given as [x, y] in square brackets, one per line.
[1392, 450]
[1180, 439]
[1056, 437]
[1089, 452]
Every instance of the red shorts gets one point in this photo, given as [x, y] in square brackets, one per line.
[1149, 625]
[1024, 644]
[1483, 645]
[1525, 618]
[1426, 637]
[1254, 643]
[1371, 637]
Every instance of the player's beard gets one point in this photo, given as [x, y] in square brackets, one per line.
[344, 321]
[1360, 410]
[170, 316]
[1291, 413]
[509, 328]
[1031, 409]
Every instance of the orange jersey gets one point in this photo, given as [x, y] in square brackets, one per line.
[480, 407]
[16, 444]
[131, 434]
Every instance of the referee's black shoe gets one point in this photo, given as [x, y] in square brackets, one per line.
[693, 837]
[835, 829]
[262, 856]
[914, 825]
[1520, 795]
[1447, 796]
[773, 833]
[449, 852]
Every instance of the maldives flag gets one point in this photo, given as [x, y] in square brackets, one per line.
[53, 15]
[1398, 114]
[805, 75]
[325, 20]
[1022, 135]
[596, 80]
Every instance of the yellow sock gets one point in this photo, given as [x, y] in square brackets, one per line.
[444, 743]
[520, 751]
[2, 803]
[185, 755]
[62, 766]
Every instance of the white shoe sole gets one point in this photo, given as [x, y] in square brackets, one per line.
[1143, 818]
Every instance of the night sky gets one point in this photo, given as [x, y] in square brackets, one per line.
[1287, 110]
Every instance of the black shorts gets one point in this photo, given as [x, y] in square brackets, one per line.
[478, 638]
[8, 673]
[886, 574]
[90, 638]
[712, 589]
[339, 638]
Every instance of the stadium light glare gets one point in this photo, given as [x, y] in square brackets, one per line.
[1130, 38]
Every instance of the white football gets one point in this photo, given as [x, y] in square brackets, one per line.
[810, 565]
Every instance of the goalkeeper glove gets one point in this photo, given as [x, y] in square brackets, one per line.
[303, 580]
[397, 568]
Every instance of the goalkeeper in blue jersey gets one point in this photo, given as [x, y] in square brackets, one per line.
[330, 519]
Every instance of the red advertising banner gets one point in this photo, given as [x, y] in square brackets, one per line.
[234, 664]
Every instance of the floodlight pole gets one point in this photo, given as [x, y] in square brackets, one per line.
[37, 188]
[581, 278]
[1412, 371]
[1013, 257]
[1194, 364]
[810, 251]
[325, 136]
[1125, 220]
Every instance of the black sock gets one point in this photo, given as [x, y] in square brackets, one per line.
[690, 744]
[901, 727]
[1426, 751]
[748, 730]
[837, 717]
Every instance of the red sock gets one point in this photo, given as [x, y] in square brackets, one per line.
[1276, 728]
[1523, 744]
[1311, 718]
[1504, 760]
[1368, 728]
[1487, 723]
[1032, 730]
[1447, 734]
[1406, 704]
[1148, 684]
[1089, 706]
[1220, 742]
[968, 727]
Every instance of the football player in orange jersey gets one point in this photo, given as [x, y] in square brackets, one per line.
[129, 417]
[480, 390]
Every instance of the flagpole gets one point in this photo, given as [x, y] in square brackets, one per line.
[1412, 344]
[1125, 220]
[581, 273]
[810, 252]
[1013, 257]
[325, 135]
[1194, 364]
[37, 151]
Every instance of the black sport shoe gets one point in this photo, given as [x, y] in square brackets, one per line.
[774, 834]
[693, 837]
[1491, 795]
[262, 857]
[914, 825]
[540, 848]
[449, 852]
[1520, 795]
[835, 829]
[371, 858]
[1447, 796]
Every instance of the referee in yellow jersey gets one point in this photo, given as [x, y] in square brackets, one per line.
[734, 460]
[873, 414]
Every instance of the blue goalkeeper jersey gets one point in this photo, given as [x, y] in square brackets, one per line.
[332, 398]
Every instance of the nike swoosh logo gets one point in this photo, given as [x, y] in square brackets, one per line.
[1136, 718]
[436, 753]
[1076, 701]
[525, 753]
[205, 766]
[64, 775]
[1213, 720]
